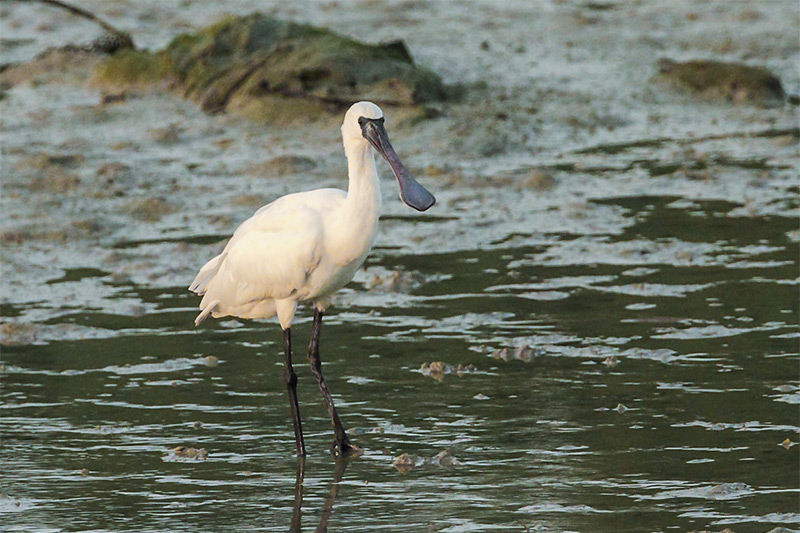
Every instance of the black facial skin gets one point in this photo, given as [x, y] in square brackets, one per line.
[411, 192]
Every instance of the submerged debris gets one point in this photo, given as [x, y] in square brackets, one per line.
[501, 353]
[433, 370]
[398, 281]
[611, 361]
[716, 80]
[460, 370]
[445, 459]
[184, 452]
[523, 353]
[437, 370]
[405, 462]
[726, 491]
[778, 529]
[17, 334]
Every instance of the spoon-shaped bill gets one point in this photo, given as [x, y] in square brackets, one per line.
[411, 192]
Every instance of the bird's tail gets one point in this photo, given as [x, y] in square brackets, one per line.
[206, 274]
[205, 312]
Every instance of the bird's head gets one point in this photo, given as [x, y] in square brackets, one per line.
[364, 122]
[355, 117]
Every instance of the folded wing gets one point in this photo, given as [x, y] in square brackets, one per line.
[269, 257]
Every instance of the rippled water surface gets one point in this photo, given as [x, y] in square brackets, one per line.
[595, 328]
[657, 395]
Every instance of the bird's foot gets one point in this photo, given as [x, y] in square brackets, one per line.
[342, 447]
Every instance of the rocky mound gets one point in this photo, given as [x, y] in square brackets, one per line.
[270, 69]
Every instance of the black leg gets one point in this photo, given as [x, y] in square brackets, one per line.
[291, 387]
[341, 444]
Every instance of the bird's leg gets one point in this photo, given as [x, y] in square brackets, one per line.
[341, 444]
[291, 387]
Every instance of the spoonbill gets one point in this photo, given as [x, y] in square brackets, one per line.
[304, 247]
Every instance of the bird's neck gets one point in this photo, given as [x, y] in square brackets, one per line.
[354, 226]
[363, 193]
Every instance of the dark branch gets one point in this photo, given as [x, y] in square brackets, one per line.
[87, 15]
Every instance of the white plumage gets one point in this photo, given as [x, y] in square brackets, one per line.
[306, 246]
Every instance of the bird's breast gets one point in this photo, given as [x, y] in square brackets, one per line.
[349, 236]
[346, 248]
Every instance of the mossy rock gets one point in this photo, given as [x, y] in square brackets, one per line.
[274, 70]
[716, 80]
[132, 69]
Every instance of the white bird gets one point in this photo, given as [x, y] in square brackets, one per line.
[305, 247]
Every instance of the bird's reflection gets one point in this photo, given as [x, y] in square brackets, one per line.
[327, 510]
[297, 509]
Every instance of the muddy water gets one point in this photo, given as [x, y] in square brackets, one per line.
[609, 280]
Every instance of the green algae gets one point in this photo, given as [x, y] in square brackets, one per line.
[132, 69]
[273, 70]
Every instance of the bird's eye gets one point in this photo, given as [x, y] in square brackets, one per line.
[361, 121]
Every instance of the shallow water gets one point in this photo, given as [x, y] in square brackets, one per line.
[651, 266]
[657, 397]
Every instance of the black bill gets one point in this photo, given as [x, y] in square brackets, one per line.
[411, 192]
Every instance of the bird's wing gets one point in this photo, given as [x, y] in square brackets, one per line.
[207, 273]
[279, 212]
[271, 254]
